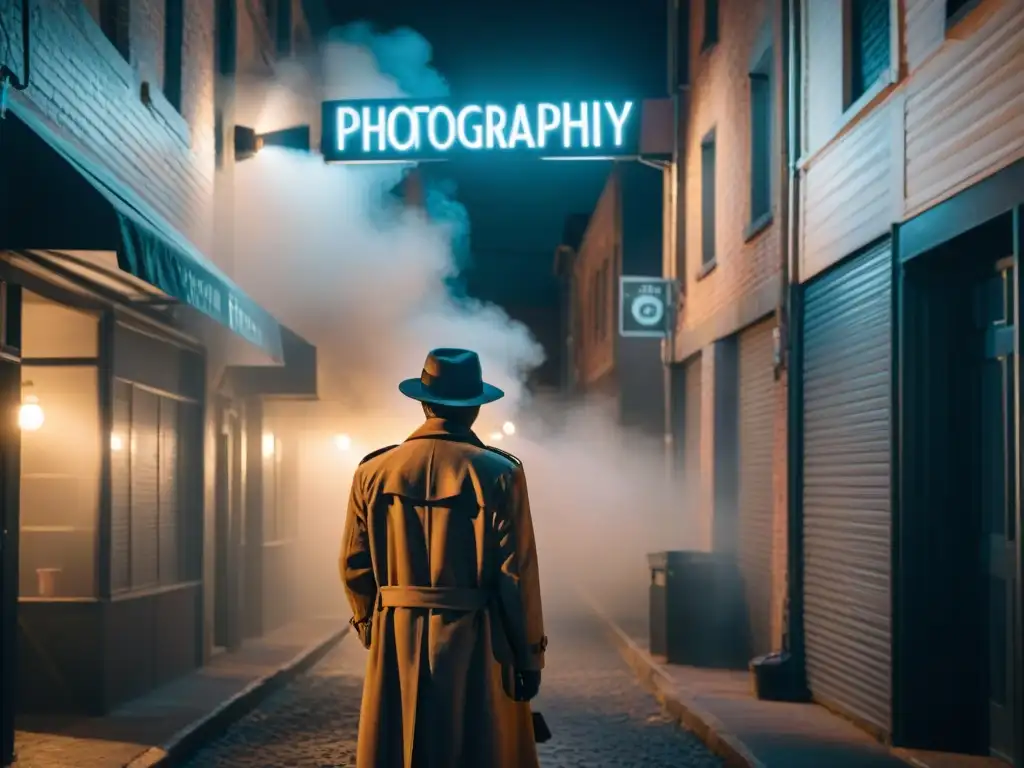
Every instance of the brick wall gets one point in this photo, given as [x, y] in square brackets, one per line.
[83, 85]
[719, 100]
[718, 303]
[595, 353]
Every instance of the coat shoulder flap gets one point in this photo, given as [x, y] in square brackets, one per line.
[375, 454]
[514, 459]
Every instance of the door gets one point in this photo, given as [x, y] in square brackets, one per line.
[226, 534]
[847, 522]
[690, 453]
[10, 511]
[756, 437]
[10, 443]
[996, 419]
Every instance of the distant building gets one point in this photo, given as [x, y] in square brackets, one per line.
[622, 236]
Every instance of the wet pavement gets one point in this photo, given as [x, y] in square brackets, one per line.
[597, 711]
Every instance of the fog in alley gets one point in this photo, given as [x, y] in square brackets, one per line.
[368, 288]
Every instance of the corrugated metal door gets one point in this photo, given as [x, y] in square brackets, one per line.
[691, 439]
[756, 448]
[846, 503]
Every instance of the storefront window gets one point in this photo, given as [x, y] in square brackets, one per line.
[279, 521]
[153, 528]
[60, 451]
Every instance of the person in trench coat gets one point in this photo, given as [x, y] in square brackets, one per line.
[439, 565]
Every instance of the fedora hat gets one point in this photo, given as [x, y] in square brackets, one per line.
[451, 377]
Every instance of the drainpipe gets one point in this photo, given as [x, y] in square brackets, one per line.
[790, 340]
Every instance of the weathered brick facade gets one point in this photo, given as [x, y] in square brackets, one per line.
[80, 82]
[743, 285]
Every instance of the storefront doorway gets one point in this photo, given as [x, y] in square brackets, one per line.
[227, 533]
[956, 610]
[996, 418]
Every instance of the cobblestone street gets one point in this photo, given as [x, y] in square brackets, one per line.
[598, 713]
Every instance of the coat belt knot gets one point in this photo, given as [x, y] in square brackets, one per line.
[435, 598]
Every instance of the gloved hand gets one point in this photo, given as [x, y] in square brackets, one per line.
[527, 684]
[363, 630]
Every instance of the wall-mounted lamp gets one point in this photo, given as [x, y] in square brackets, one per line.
[248, 142]
[116, 442]
[269, 444]
[342, 442]
[30, 414]
[508, 428]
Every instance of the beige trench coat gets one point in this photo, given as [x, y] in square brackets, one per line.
[439, 553]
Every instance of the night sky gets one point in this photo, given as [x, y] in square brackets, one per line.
[528, 49]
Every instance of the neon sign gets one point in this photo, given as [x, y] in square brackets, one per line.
[397, 130]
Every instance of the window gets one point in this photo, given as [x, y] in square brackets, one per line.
[115, 21]
[226, 46]
[602, 301]
[957, 9]
[682, 43]
[283, 28]
[279, 520]
[869, 45]
[710, 23]
[154, 517]
[707, 199]
[174, 23]
[60, 450]
[595, 303]
[761, 140]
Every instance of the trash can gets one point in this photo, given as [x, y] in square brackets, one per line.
[696, 609]
[774, 677]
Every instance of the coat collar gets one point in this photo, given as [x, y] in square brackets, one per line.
[441, 429]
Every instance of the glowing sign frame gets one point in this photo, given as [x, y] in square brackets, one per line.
[406, 130]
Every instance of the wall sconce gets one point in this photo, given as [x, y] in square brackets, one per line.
[508, 428]
[30, 414]
[342, 442]
[116, 442]
[269, 444]
[248, 142]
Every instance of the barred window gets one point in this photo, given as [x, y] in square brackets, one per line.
[869, 45]
[155, 514]
[115, 21]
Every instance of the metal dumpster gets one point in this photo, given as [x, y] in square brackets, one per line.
[696, 609]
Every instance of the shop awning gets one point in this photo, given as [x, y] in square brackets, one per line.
[150, 248]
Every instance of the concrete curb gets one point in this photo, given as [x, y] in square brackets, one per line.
[195, 735]
[676, 704]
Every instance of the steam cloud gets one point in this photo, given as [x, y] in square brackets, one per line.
[331, 253]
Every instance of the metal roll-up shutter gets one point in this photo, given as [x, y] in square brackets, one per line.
[846, 480]
[169, 480]
[691, 438]
[145, 489]
[121, 488]
[756, 448]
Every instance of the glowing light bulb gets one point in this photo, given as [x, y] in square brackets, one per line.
[508, 428]
[116, 442]
[30, 415]
[342, 442]
[496, 437]
[269, 444]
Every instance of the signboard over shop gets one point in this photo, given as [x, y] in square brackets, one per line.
[399, 130]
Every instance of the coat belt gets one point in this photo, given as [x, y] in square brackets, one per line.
[434, 598]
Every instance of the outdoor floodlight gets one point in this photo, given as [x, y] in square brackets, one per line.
[248, 142]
